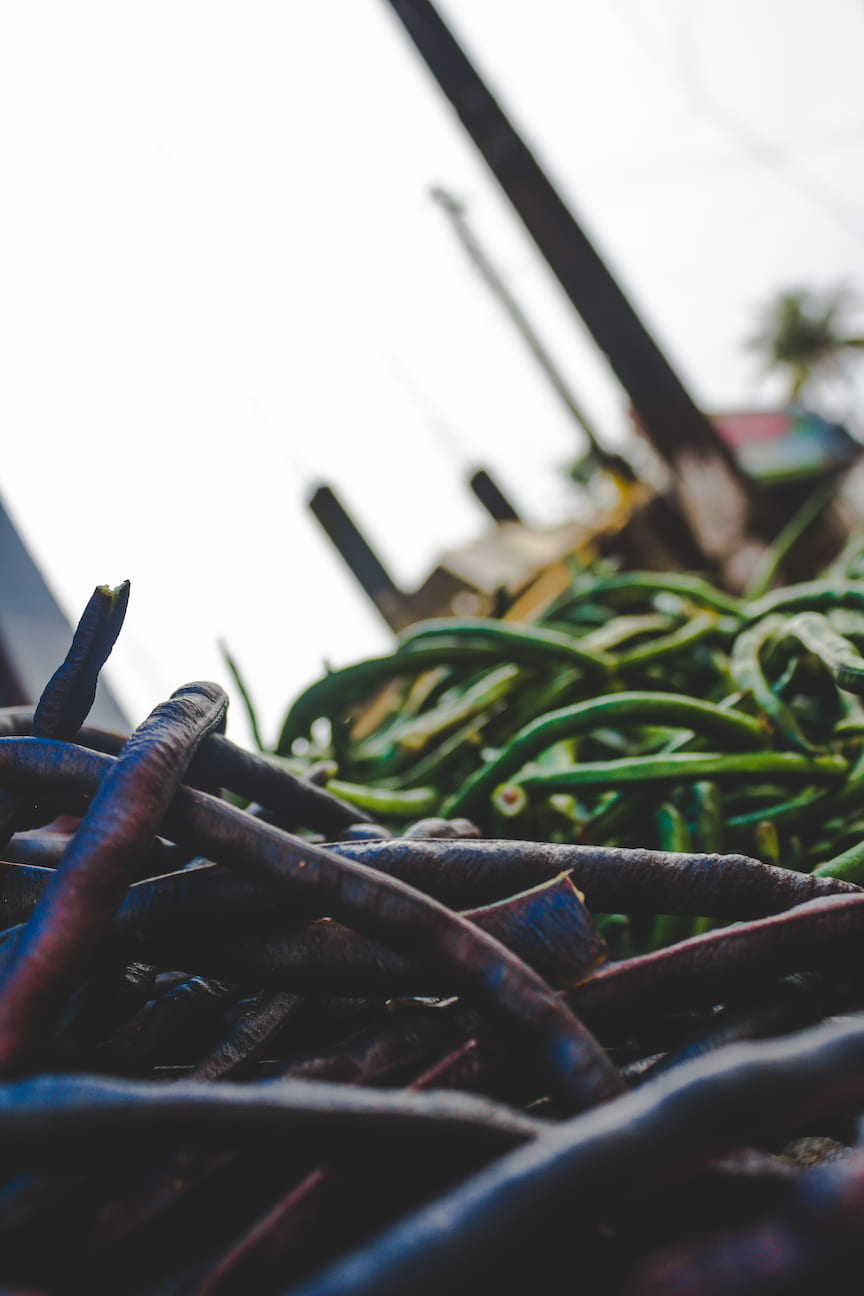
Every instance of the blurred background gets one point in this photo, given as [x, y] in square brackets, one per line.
[226, 280]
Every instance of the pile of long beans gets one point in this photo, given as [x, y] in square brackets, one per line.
[643, 709]
[252, 1041]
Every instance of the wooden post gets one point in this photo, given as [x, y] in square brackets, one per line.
[491, 496]
[355, 550]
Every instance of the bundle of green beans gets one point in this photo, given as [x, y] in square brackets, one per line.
[644, 709]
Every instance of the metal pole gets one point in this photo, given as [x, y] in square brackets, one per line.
[456, 212]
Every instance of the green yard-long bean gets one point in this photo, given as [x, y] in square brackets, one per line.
[731, 728]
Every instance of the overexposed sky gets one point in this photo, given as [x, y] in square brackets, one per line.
[223, 281]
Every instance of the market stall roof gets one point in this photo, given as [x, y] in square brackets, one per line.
[794, 444]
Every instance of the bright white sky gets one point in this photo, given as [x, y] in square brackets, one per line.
[223, 281]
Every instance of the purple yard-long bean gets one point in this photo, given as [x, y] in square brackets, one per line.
[45, 848]
[192, 1008]
[547, 927]
[53, 1118]
[818, 935]
[225, 926]
[470, 873]
[365, 899]
[21, 886]
[403, 1040]
[784, 1006]
[68, 696]
[613, 879]
[272, 1234]
[611, 1156]
[409, 921]
[294, 800]
[96, 869]
[814, 1239]
[260, 1021]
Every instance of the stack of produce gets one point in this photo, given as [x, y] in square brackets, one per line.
[645, 709]
[538, 963]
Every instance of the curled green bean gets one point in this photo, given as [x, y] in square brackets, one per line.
[693, 632]
[415, 734]
[840, 656]
[513, 642]
[631, 708]
[848, 865]
[623, 628]
[746, 666]
[685, 767]
[674, 835]
[649, 583]
[808, 596]
[340, 688]
[405, 803]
